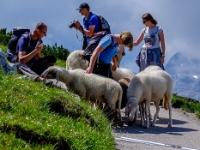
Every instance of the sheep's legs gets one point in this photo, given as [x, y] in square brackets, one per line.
[170, 116]
[168, 97]
[147, 103]
[141, 108]
[136, 114]
[157, 112]
[118, 116]
[150, 116]
[159, 108]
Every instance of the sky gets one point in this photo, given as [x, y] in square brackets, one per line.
[178, 18]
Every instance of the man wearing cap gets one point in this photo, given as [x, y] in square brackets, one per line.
[91, 30]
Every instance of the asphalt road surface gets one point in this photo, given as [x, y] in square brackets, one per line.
[184, 134]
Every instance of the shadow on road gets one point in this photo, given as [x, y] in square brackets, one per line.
[157, 129]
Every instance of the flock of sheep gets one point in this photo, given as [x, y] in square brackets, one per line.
[125, 90]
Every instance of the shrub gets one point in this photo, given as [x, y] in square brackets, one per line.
[4, 37]
[58, 51]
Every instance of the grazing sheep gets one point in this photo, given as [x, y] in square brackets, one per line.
[124, 83]
[75, 61]
[152, 68]
[141, 105]
[149, 87]
[89, 86]
[122, 73]
[156, 104]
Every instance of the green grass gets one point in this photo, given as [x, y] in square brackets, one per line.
[61, 63]
[187, 104]
[3, 47]
[34, 116]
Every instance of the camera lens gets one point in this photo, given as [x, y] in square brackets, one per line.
[72, 25]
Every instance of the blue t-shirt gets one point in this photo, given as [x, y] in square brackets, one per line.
[110, 48]
[92, 20]
[23, 45]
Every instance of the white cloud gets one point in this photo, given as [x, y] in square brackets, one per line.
[179, 19]
[194, 76]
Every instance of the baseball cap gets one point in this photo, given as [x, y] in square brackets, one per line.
[83, 5]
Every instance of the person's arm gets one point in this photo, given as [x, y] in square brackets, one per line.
[93, 23]
[26, 58]
[89, 32]
[93, 58]
[139, 40]
[114, 66]
[162, 41]
[37, 55]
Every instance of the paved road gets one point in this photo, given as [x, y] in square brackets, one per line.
[185, 133]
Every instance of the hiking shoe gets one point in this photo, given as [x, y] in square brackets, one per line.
[48, 82]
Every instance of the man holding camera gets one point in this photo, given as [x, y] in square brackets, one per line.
[90, 30]
[28, 48]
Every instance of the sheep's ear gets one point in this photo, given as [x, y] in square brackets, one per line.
[126, 110]
[45, 73]
[49, 73]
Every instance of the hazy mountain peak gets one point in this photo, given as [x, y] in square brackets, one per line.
[185, 73]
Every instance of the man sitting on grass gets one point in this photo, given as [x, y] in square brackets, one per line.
[29, 48]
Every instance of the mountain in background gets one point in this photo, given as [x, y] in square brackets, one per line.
[185, 72]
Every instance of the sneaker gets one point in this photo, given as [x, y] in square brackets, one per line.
[48, 82]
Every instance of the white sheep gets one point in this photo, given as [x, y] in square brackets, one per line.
[89, 86]
[149, 69]
[152, 68]
[149, 87]
[120, 73]
[75, 60]
[124, 83]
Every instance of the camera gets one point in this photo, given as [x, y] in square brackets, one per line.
[72, 25]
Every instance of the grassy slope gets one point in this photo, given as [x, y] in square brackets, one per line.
[34, 116]
[186, 104]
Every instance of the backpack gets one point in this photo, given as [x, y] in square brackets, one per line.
[12, 44]
[17, 33]
[103, 24]
[5, 66]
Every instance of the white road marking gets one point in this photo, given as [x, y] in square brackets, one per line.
[152, 143]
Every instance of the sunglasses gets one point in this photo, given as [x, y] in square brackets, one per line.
[80, 10]
[144, 21]
[43, 32]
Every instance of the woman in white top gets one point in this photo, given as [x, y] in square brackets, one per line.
[153, 50]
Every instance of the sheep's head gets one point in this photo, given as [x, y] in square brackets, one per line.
[131, 108]
[120, 54]
[50, 73]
